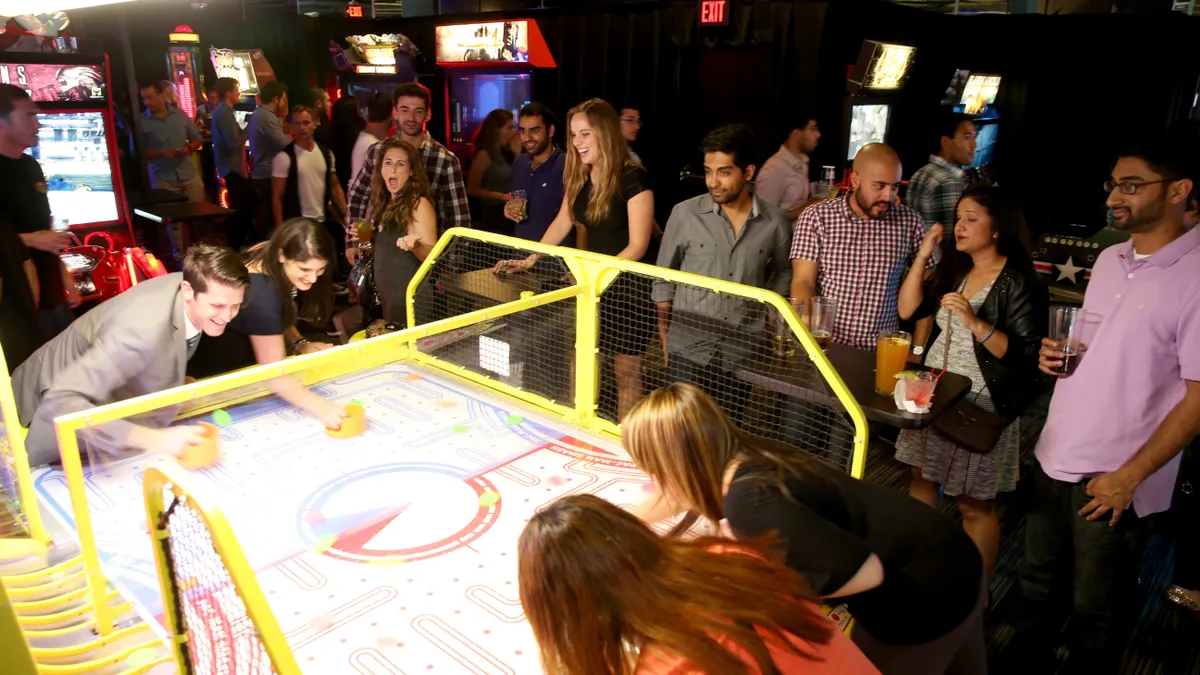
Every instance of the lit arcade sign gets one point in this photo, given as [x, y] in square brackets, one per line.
[516, 42]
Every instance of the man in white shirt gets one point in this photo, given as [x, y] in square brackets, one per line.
[303, 182]
[783, 179]
[379, 121]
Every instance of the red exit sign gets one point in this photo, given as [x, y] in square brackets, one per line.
[354, 11]
[714, 12]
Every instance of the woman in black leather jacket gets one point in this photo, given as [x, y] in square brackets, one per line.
[991, 314]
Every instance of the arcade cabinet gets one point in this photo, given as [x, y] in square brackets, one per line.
[184, 65]
[374, 64]
[488, 66]
[873, 83]
[85, 188]
[978, 99]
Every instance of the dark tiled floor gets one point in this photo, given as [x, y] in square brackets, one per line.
[1165, 639]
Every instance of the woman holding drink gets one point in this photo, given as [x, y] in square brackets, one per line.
[990, 318]
[405, 224]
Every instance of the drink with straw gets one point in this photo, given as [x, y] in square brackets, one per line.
[822, 314]
[891, 357]
[1066, 328]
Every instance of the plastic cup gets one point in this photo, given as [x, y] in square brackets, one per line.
[522, 198]
[821, 317]
[891, 357]
[1066, 328]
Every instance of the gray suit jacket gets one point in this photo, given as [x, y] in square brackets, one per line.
[133, 344]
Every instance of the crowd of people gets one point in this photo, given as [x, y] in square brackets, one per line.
[950, 256]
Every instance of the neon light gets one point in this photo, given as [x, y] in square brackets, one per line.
[354, 11]
[714, 13]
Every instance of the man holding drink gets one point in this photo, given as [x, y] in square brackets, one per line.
[1125, 404]
[536, 185]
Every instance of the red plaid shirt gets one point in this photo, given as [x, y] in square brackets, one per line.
[860, 263]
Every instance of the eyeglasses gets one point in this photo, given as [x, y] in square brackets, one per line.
[1132, 188]
[632, 120]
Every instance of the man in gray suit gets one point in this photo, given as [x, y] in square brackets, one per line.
[137, 343]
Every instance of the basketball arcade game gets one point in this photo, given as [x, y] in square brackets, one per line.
[186, 69]
[470, 427]
[488, 66]
[77, 151]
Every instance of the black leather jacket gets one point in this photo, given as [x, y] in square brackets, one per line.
[1018, 306]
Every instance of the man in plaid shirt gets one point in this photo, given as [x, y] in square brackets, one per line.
[934, 190]
[854, 249]
[441, 166]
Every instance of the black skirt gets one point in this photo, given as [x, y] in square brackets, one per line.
[394, 269]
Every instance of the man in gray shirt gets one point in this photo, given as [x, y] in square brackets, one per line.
[229, 155]
[727, 234]
[267, 138]
[168, 140]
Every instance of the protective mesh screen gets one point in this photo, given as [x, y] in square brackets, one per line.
[737, 349]
[222, 639]
[532, 349]
[13, 521]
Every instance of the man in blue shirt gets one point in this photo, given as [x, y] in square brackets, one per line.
[539, 173]
[168, 140]
[229, 155]
[267, 138]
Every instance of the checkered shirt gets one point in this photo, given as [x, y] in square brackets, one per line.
[934, 191]
[445, 178]
[860, 263]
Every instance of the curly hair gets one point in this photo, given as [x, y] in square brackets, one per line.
[388, 212]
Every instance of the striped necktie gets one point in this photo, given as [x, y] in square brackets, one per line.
[192, 343]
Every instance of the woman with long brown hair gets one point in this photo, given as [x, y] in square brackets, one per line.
[291, 277]
[405, 223]
[911, 578]
[491, 168]
[609, 196]
[605, 595]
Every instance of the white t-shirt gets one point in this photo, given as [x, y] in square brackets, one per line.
[358, 156]
[311, 175]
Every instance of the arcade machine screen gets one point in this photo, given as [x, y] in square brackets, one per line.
[73, 151]
[868, 124]
[979, 93]
[473, 95]
[985, 144]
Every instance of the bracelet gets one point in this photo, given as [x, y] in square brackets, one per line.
[296, 345]
[986, 337]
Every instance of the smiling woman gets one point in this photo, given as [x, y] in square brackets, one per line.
[288, 270]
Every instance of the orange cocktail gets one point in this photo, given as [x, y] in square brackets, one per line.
[891, 357]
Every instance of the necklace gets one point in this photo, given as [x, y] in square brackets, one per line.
[980, 277]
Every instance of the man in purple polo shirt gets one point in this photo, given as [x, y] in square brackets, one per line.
[539, 173]
[1109, 453]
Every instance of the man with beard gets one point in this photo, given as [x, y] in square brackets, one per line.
[729, 234]
[854, 249]
[1109, 452]
[538, 173]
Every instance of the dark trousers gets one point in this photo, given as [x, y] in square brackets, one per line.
[722, 385]
[242, 199]
[1061, 546]
[1185, 511]
[264, 215]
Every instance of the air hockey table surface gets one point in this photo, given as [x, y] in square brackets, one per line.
[387, 553]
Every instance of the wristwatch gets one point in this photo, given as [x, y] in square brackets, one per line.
[918, 350]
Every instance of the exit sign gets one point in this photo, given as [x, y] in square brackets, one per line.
[714, 12]
[354, 11]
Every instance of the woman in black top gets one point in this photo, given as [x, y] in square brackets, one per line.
[987, 294]
[609, 196]
[405, 224]
[291, 266]
[911, 578]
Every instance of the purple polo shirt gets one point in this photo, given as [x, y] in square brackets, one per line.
[1143, 341]
[544, 187]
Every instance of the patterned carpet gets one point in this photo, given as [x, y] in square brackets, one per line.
[1166, 638]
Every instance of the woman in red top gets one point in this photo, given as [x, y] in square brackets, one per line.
[606, 595]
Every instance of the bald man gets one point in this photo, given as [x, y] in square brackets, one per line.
[854, 249]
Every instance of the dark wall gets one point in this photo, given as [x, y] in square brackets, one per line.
[1073, 85]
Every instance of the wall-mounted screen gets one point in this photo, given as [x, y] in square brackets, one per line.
[868, 124]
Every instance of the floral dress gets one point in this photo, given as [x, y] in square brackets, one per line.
[958, 471]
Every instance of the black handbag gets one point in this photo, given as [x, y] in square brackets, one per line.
[965, 424]
[361, 283]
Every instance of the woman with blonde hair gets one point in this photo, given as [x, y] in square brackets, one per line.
[911, 578]
[609, 196]
[604, 594]
[405, 224]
